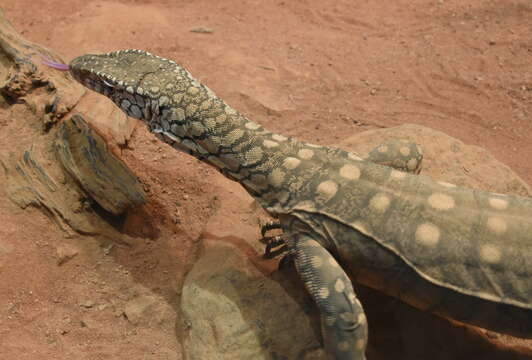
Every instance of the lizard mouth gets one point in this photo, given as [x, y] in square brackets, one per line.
[103, 86]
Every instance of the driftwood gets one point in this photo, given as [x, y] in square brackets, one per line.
[61, 164]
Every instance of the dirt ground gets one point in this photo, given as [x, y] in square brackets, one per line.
[317, 70]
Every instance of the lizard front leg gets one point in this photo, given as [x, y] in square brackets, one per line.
[343, 321]
[400, 154]
[397, 153]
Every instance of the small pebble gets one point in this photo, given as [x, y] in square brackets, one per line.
[87, 304]
[202, 30]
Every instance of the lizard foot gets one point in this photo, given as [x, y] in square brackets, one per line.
[275, 245]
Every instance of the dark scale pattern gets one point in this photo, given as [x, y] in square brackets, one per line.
[430, 244]
[342, 317]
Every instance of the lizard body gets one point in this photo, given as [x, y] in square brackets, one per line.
[457, 252]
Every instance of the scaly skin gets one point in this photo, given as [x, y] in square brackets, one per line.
[460, 253]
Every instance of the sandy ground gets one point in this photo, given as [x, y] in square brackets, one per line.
[320, 71]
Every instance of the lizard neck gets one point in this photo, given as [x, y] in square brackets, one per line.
[203, 125]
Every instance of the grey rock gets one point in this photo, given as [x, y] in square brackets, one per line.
[233, 311]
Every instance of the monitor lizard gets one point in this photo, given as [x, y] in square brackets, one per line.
[460, 253]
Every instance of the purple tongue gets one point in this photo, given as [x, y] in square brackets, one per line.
[49, 62]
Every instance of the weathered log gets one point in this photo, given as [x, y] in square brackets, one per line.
[61, 164]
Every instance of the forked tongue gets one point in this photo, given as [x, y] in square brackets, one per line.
[49, 62]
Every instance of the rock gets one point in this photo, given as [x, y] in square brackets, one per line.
[65, 253]
[147, 309]
[202, 30]
[87, 304]
[235, 312]
[87, 322]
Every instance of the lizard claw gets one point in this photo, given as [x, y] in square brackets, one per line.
[269, 225]
[273, 242]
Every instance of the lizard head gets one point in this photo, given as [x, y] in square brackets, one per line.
[137, 81]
